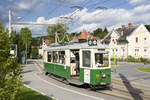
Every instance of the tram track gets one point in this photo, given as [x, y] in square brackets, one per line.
[122, 88]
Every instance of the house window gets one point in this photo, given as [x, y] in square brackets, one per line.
[86, 58]
[122, 52]
[116, 52]
[136, 39]
[112, 52]
[145, 40]
[136, 52]
[145, 52]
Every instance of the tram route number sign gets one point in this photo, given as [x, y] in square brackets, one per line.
[86, 75]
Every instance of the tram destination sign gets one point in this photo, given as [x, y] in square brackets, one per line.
[92, 42]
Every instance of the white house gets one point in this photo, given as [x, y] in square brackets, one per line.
[45, 44]
[129, 41]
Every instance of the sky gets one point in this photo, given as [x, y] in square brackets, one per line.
[82, 14]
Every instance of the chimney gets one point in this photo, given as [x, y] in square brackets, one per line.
[84, 30]
[130, 25]
[123, 26]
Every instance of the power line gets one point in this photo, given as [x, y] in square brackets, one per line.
[99, 3]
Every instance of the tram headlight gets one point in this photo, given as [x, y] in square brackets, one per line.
[103, 75]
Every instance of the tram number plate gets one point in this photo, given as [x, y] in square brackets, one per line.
[86, 75]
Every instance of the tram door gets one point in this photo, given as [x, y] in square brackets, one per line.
[75, 62]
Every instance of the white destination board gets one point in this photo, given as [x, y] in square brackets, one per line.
[87, 76]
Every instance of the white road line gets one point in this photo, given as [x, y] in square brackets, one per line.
[97, 98]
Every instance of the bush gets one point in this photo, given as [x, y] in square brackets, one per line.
[10, 70]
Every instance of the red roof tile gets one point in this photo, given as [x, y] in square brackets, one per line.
[85, 35]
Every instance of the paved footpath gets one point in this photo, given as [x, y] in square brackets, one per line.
[58, 90]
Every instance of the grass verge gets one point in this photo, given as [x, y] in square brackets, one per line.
[28, 94]
[144, 69]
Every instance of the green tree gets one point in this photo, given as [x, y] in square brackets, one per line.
[148, 27]
[100, 33]
[105, 32]
[59, 28]
[10, 77]
[26, 38]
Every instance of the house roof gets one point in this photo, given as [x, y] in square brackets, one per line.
[123, 33]
[85, 35]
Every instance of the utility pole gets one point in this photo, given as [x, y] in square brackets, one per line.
[10, 22]
[26, 48]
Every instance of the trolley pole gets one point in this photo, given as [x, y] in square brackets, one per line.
[56, 36]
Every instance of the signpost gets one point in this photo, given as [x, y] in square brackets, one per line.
[115, 66]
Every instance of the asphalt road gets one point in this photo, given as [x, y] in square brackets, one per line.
[129, 70]
[33, 78]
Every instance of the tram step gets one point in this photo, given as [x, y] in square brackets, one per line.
[75, 81]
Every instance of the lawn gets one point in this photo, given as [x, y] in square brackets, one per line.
[144, 69]
[28, 94]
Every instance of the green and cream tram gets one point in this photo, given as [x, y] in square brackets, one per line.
[79, 63]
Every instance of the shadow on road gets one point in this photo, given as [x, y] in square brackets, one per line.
[27, 82]
[30, 62]
[135, 93]
[23, 72]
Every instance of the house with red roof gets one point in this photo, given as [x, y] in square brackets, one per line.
[84, 36]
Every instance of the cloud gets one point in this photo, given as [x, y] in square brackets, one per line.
[137, 1]
[27, 6]
[110, 18]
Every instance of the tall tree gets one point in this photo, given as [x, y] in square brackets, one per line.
[10, 77]
[100, 32]
[26, 38]
[105, 32]
[59, 28]
[148, 27]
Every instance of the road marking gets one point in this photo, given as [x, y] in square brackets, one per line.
[97, 98]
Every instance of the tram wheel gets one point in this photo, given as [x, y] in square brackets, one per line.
[46, 73]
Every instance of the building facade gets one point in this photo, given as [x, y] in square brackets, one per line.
[129, 41]
[45, 44]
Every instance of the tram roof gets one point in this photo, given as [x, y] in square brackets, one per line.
[72, 46]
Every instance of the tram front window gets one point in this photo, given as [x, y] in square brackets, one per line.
[86, 58]
[99, 60]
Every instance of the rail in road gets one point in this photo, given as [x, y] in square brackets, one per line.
[121, 88]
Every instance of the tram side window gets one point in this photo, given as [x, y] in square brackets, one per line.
[49, 57]
[55, 57]
[86, 58]
[62, 57]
